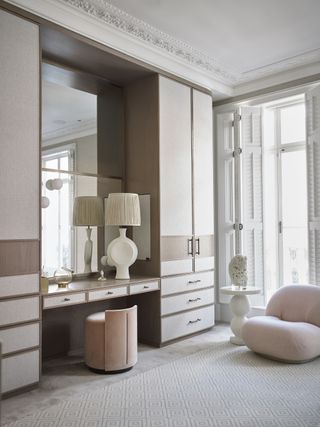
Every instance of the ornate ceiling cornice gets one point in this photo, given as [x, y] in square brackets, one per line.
[122, 21]
[296, 61]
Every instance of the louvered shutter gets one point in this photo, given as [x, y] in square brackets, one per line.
[252, 193]
[313, 179]
[226, 218]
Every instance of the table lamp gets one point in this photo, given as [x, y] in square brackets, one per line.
[122, 209]
[88, 212]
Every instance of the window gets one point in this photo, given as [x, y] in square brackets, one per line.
[285, 194]
[269, 191]
[57, 232]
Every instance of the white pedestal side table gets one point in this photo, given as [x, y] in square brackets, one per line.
[239, 306]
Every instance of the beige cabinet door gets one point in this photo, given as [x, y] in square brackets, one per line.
[175, 176]
[203, 181]
[20, 128]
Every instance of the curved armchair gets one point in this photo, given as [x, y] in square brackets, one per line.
[290, 330]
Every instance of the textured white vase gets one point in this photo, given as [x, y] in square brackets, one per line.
[122, 252]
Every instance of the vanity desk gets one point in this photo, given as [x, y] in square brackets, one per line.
[90, 290]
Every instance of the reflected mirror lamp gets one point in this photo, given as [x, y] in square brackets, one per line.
[88, 212]
[122, 209]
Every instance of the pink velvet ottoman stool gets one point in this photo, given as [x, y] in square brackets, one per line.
[111, 340]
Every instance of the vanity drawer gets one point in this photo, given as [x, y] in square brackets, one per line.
[144, 287]
[187, 282]
[20, 338]
[20, 370]
[107, 293]
[187, 323]
[19, 310]
[187, 301]
[19, 285]
[63, 300]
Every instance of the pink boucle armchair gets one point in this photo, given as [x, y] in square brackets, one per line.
[290, 330]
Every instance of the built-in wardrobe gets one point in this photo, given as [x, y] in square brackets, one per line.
[168, 155]
[20, 310]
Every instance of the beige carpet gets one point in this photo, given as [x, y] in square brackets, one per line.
[223, 385]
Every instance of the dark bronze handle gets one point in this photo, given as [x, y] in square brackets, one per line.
[194, 281]
[66, 299]
[109, 293]
[198, 246]
[190, 246]
[194, 321]
[194, 300]
[146, 287]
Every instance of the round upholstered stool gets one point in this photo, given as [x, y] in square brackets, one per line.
[111, 340]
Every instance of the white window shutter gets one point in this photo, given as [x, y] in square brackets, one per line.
[225, 144]
[313, 179]
[252, 193]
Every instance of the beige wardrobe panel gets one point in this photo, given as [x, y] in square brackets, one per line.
[19, 124]
[203, 164]
[175, 158]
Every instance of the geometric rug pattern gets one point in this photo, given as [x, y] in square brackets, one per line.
[222, 386]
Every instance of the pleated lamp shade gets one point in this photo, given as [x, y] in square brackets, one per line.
[123, 209]
[88, 211]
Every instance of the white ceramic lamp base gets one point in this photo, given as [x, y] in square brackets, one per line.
[88, 252]
[122, 252]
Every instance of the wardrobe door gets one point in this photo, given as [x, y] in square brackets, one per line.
[19, 124]
[203, 181]
[175, 177]
[19, 199]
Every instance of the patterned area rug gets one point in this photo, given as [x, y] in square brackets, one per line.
[222, 386]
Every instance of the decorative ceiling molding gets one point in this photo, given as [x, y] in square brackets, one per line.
[70, 131]
[296, 61]
[122, 21]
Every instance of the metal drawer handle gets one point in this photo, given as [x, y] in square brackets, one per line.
[146, 287]
[109, 293]
[194, 281]
[66, 299]
[194, 321]
[194, 300]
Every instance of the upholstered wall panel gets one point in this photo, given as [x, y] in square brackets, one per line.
[19, 124]
[19, 257]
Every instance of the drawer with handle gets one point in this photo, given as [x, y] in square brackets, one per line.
[63, 300]
[143, 287]
[182, 324]
[187, 282]
[187, 301]
[107, 293]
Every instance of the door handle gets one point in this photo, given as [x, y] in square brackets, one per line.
[198, 246]
[190, 246]
[193, 281]
[194, 299]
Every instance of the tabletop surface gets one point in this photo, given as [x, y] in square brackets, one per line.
[240, 290]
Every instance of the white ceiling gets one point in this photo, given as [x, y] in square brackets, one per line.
[66, 112]
[245, 37]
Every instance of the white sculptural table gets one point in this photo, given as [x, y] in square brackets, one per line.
[239, 306]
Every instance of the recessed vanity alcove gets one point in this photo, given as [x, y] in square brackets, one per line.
[109, 124]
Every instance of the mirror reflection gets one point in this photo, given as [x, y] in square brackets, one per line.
[70, 172]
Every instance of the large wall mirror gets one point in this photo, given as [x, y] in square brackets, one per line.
[70, 169]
